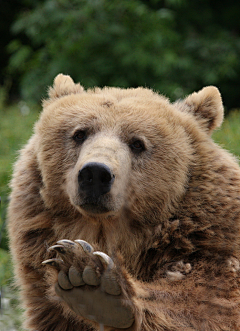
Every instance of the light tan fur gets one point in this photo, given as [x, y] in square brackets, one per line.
[174, 208]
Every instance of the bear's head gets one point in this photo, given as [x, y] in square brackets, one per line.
[107, 152]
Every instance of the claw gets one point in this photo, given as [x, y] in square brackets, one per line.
[66, 243]
[105, 259]
[58, 248]
[85, 245]
[53, 263]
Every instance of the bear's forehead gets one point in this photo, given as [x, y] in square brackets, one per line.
[113, 106]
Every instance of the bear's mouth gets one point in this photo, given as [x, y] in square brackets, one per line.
[95, 204]
[93, 208]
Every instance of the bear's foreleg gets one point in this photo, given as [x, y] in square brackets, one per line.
[106, 296]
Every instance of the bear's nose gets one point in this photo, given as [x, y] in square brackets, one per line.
[95, 179]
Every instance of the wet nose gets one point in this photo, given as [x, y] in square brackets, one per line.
[95, 179]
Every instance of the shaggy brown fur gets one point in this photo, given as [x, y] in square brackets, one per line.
[171, 220]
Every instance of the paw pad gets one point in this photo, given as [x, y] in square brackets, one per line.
[75, 277]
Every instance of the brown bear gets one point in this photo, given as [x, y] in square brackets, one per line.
[124, 214]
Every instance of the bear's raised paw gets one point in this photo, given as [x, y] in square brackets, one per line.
[88, 283]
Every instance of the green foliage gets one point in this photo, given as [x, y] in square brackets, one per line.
[97, 42]
[165, 45]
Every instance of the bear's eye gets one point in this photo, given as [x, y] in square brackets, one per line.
[79, 136]
[137, 146]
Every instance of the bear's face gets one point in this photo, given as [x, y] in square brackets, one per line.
[109, 151]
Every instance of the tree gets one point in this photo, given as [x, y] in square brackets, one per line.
[173, 46]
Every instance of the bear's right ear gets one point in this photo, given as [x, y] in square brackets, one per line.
[64, 85]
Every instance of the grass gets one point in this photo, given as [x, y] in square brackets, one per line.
[15, 129]
[228, 136]
[16, 124]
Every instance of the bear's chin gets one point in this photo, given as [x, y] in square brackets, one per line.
[94, 210]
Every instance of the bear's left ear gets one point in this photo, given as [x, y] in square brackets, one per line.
[206, 105]
[64, 85]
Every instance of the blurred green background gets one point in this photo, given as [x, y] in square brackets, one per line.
[173, 46]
